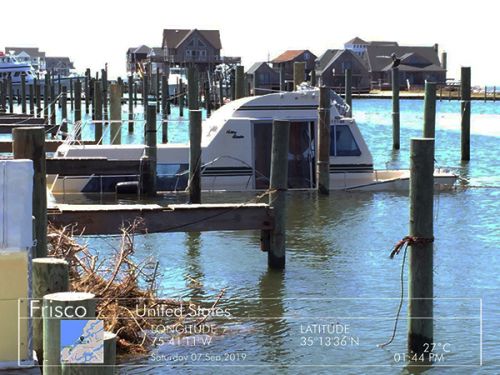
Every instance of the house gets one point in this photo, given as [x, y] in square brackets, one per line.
[155, 60]
[418, 64]
[136, 57]
[201, 48]
[59, 65]
[263, 77]
[29, 54]
[331, 67]
[288, 58]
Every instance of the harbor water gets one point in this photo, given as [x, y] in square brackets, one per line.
[338, 296]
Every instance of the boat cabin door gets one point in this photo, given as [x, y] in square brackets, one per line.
[300, 154]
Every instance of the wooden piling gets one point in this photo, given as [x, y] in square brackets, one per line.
[164, 109]
[232, 83]
[323, 162]
[485, 93]
[348, 90]
[149, 182]
[221, 92]
[130, 104]
[75, 302]
[145, 93]
[240, 82]
[194, 185]
[313, 78]
[11, 94]
[192, 78]
[46, 97]
[430, 110]
[104, 87]
[181, 98]
[78, 110]
[135, 94]
[98, 112]
[29, 143]
[277, 198]
[64, 112]
[420, 280]
[53, 102]
[87, 90]
[465, 112]
[50, 275]
[299, 73]
[2, 96]
[395, 109]
[38, 100]
[23, 93]
[157, 90]
[31, 90]
[116, 114]
[208, 101]
[282, 77]
[71, 94]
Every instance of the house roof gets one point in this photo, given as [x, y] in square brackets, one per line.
[324, 58]
[172, 38]
[155, 51]
[256, 66]
[356, 40]
[290, 55]
[413, 68]
[338, 54]
[31, 51]
[378, 57]
[382, 43]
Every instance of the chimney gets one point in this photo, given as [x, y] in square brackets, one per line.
[436, 47]
[444, 59]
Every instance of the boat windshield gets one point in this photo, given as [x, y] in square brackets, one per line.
[342, 142]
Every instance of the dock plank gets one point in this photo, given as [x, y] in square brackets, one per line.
[108, 219]
[51, 145]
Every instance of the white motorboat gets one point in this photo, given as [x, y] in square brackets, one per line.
[236, 148]
[10, 67]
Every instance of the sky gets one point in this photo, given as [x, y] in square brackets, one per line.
[93, 32]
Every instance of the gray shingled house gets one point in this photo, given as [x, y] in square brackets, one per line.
[59, 65]
[262, 76]
[289, 57]
[331, 67]
[136, 57]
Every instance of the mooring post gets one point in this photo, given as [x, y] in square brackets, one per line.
[135, 94]
[116, 114]
[53, 102]
[11, 94]
[208, 101]
[323, 162]
[465, 112]
[282, 77]
[240, 82]
[84, 303]
[430, 110]
[313, 78]
[149, 182]
[38, 100]
[299, 72]
[46, 97]
[232, 83]
[87, 90]
[78, 110]
[2, 96]
[23, 93]
[157, 90]
[130, 104]
[192, 88]
[71, 94]
[277, 188]
[348, 90]
[221, 92]
[31, 90]
[181, 96]
[50, 275]
[164, 109]
[395, 108]
[485, 93]
[420, 280]
[104, 79]
[145, 93]
[98, 112]
[194, 185]
[64, 112]
[29, 143]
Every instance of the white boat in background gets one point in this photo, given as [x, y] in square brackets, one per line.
[174, 77]
[236, 149]
[11, 67]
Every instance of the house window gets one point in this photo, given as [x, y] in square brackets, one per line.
[188, 53]
[203, 53]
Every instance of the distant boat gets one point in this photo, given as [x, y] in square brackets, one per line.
[11, 67]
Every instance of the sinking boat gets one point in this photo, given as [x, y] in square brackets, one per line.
[236, 151]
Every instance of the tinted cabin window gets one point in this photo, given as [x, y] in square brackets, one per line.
[342, 142]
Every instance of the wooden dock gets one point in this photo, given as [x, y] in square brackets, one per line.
[108, 219]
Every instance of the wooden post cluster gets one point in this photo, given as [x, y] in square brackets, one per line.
[299, 73]
[194, 185]
[50, 275]
[277, 198]
[116, 113]
[29, 143]
[323, 162]
[430, 110]
[420, 280]
[395, 109]
[465, 112]
[240, 82]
